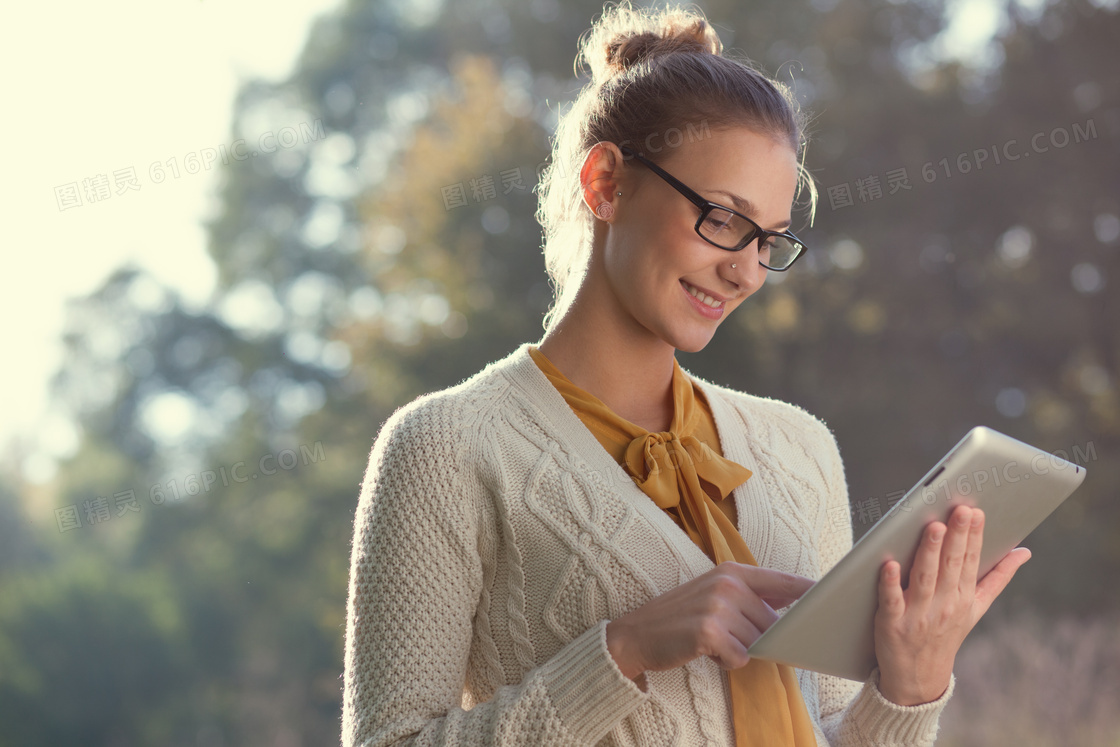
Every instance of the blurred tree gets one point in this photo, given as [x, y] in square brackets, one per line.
[90, 655]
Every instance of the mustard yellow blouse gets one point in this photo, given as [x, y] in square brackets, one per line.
[673, 468]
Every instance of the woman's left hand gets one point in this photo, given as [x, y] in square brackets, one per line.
[919, 631]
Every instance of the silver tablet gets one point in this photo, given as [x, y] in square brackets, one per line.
[830, 629]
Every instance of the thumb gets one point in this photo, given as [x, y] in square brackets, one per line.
[997, 579]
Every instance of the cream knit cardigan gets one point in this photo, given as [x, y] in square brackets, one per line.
[495, 538]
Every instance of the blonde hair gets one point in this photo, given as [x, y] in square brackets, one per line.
[653, 73]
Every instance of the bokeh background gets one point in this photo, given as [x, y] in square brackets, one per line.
[173, 564]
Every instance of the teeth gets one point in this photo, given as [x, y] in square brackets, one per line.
[703, 297]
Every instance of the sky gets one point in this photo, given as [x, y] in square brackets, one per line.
[94, 89]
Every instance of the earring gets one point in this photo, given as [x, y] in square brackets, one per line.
[732, 267]
[606, 210]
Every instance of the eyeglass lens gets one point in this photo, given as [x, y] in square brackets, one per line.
[728, 230]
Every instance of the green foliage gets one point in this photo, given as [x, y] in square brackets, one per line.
[90, 654]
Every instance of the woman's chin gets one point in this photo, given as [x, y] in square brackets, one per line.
[692, 341]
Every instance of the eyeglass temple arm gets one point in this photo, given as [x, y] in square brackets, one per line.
[694, 198]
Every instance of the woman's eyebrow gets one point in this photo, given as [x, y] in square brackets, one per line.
[748, 208]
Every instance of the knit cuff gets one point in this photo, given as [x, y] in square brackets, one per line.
[883, 721]
[589, 691]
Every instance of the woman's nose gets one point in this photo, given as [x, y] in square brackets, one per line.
[748, 272]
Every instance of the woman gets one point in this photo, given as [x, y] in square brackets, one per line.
[562, 548]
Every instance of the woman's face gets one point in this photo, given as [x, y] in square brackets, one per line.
[651, 251]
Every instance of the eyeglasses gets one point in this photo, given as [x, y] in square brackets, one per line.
[723, 227]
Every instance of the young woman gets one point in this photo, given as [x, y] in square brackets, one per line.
[577, 544]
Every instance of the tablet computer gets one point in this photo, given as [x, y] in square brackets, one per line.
[831, 627]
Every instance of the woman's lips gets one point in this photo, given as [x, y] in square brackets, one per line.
[702, 308]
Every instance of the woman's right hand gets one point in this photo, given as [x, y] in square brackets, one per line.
[718, 614]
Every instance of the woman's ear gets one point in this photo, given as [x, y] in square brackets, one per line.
[599, 178]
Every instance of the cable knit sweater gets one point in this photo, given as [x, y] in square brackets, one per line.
[495, 539]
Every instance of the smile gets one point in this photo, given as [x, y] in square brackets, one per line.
[705, 305]
[702, 297]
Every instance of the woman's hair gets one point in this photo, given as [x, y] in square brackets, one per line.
[657, 78]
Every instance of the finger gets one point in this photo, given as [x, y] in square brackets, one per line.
[971, 569]
[953, 550]
[892, 602]
[758, 613]
[741, 633]
[740, 600]
[767, 582]
[997, 579]
[730, 650]
[923, 574]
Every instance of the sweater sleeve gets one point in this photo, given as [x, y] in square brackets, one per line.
[852, 713]
[416, 578]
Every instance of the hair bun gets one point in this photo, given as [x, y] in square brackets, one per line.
[625, 36]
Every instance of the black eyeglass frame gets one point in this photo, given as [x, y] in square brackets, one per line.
[706, 206]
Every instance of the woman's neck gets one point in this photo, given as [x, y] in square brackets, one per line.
[623, 364]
